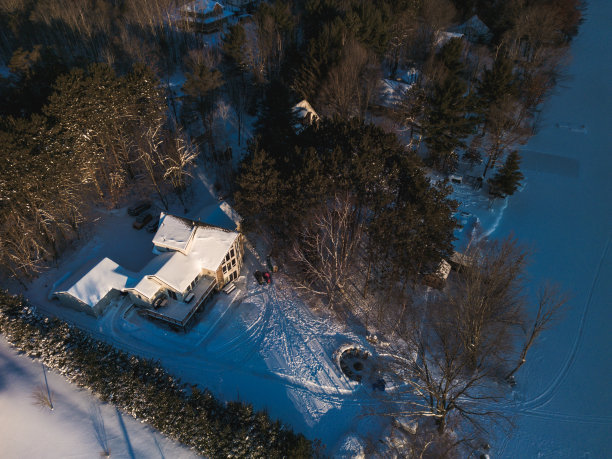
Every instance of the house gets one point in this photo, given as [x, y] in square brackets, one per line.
[242, 4]
[442, 37]
[392, 93]
[204, 16]
[437, 279]
[193, 260]
[305, 115]
[475, 30]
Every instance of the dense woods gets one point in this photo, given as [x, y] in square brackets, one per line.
[356, 203]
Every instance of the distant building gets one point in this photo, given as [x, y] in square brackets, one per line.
[193, 260]
[437, 279]
[475, 30]
[204, 16]
[305, 115]
[442, 37]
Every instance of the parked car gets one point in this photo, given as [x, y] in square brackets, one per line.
[259, 276]
[142, 220]
[267, 277]
[139, 208]
[153, 224]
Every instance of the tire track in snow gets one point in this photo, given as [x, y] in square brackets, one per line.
[555, 384]
[530, 408]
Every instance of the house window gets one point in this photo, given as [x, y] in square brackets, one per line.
[233, 253]
[227, 257]
[233, 262]
[224, 268]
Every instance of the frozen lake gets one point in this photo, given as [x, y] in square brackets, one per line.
[563, 402]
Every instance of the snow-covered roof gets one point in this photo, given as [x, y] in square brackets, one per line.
[173, 232]
[409, 76]
[204, 12]
[100, 280]
[202, 6]
[305, 113]
[206, 250]
[199, 246]
[474, 28]
[443, 37]
[392, 92]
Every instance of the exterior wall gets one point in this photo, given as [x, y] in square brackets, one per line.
[104, 302]
[219, 276]
[66, 299]
[139, 300]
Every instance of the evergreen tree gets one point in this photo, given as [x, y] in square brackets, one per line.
[496, 83]
[508, 178]
[233, 45]
[276, 122]
[259, 187]
[201, 86]
[447, 112]
[446, 123]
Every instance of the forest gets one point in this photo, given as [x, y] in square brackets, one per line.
[88, 120]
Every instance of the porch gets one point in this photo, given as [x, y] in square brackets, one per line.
[180, 312]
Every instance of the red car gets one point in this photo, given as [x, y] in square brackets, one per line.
[267, 277]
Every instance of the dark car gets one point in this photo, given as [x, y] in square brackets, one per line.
[153, 224]
[259, 276]
[139, 208]
[142, 220]
[267, 277]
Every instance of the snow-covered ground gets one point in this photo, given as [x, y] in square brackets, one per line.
[261, 344]
[563, 402]
[80, 426]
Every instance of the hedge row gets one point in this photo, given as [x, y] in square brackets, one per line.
[145, 390]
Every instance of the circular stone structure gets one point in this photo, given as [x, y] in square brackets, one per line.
[354, 363]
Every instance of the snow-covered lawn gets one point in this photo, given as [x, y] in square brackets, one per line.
[259, 344]
[80, 426]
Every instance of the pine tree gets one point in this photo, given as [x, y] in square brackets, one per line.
[446, 123]
[276, 123]
[259, 187]
[447, 113]
[508, 178]
[496, 83]
[233, 45]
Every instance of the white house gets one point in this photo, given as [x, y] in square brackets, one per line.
[193, 259]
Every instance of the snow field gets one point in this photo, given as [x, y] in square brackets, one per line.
[80, 426]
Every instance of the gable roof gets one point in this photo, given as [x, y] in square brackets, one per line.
[198, 246]
[173, 232]
[101, 279]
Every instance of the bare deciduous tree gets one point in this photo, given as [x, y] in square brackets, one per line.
[178, 156]
[350, 85]
[42, 397]
[551, 304]
[326, 248]
[505, 128]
